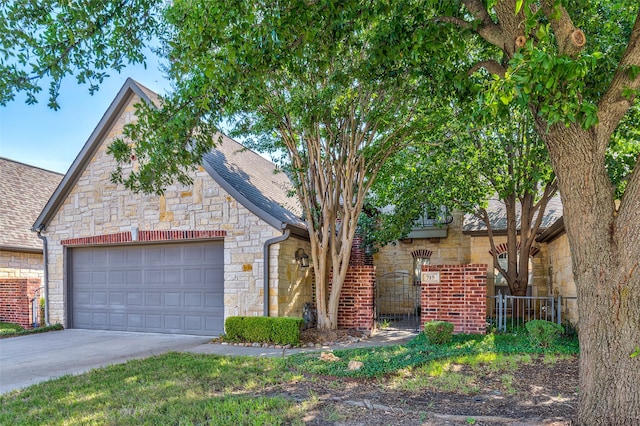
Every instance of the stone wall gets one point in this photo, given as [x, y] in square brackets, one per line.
[397, 257]
[480, 247]
[15, 300]
[294, 283]
[561, 272]
[97, 207]
[21, 265]
[459, 297]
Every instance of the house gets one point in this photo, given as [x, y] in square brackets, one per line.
[177, 263]
[457, 239]
[228, 244]
[25, 190]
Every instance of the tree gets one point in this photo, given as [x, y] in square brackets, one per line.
[321, 96]
[42, 42]
[576, 66]
[470, 160]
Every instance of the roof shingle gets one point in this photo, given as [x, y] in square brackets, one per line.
[25, 190]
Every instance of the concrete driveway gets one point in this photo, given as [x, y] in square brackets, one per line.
[35, 358]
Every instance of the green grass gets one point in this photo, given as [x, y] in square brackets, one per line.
[386, 360]
[169, 389]
[186, 389]
[8, 329]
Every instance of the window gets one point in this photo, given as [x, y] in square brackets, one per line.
[432, 215]
[418, 262]
[432, 223]
[500, 283]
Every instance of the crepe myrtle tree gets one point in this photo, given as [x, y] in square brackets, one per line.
[307, 83]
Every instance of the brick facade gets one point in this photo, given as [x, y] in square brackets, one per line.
[15, 300]
[459, 297]
[126, 237]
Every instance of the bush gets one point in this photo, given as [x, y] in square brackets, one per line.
[543, 333]
[438, 332]
[9, 328]
[275, 330]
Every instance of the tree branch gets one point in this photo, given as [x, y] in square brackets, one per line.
[491, 65]
[570, 39]
[482, 214]
[488, 30]
[614, 104]
[455, 21]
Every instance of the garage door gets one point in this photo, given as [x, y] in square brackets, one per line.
[157, 288]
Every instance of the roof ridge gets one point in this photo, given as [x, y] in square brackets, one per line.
[31, 166]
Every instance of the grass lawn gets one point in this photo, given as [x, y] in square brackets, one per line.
[8, 329]
[190, 389]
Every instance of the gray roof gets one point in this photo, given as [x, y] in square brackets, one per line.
[245, 175]
[25, 190]
[498, 216]
[255, 182]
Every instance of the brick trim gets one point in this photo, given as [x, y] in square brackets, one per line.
[423, 253]
[502, 248]
[125, 237]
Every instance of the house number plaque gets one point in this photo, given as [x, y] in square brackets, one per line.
[430, 277]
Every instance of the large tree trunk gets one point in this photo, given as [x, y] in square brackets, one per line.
[605, 252]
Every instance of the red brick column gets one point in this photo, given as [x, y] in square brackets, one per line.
[459, 297]
[15, 300]
[355, 308]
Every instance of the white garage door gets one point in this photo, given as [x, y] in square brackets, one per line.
[157, 288]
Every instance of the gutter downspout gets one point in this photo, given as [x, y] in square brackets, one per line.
[46, 274]
[265, 255]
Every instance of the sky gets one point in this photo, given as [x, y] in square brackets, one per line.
[39, 136]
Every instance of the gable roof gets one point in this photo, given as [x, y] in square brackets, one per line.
[498, 217]
[251, 179]
[25, 189]
[256, 183]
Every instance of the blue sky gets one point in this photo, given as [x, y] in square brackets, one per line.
[37, 135]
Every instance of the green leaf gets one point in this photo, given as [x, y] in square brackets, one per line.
[518, 6]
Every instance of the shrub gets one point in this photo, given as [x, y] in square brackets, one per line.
[276, 330]
[438, 332]
[543, 333]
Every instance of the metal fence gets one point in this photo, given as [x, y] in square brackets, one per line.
[506, 312]
[397, 301]
[37, 317]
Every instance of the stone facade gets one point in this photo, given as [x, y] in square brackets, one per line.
[294, 283]
[397, 256]
[97, 207]
[456, 249]
[480, 247]
[562, 283]
[21, 265]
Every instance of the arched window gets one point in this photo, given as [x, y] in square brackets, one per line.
[500, 282]
[420, 259]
